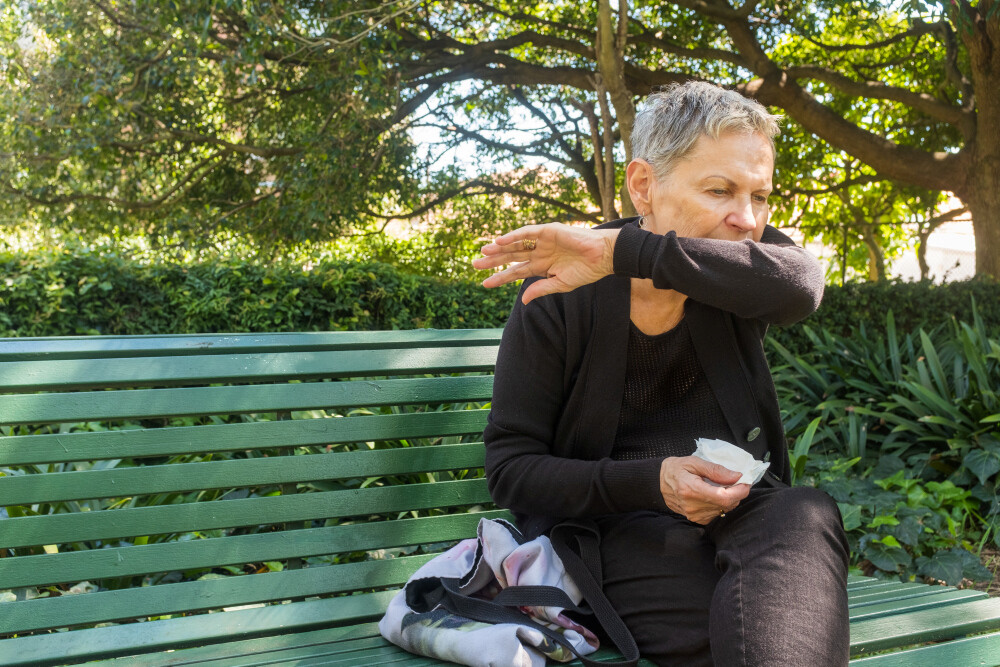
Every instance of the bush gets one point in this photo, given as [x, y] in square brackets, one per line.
[902, 430]
[58, 293]
[847, 309]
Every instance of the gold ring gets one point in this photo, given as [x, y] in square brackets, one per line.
[529, 244]
[722, 513]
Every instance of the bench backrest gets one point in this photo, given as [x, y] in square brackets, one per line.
[160, 476]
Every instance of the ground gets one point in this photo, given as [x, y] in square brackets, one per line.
[991, 559]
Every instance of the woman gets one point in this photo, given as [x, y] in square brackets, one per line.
[649, 336]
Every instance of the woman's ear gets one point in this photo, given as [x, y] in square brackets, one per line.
[639, 178]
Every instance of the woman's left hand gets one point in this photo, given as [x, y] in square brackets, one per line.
[566, 257]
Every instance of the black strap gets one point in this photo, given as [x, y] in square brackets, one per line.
[424, 595]
[585, 569]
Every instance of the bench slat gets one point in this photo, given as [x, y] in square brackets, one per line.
[899, 593]
[98, 564]
[216, 655]
[118, 523]
[189, 401]
[128, 603]
[60, 648]
[135, 481]
[980, 650]
[138, 372]
[103, 347]
[137, 443]
[927, 625]
[926, 601]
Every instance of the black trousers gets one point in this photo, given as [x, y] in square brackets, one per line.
[764, 585]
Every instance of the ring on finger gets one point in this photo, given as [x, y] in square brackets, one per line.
[529, 244]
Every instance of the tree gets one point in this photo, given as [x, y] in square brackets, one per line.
[293, 117]
[197, 117]
[921, 78]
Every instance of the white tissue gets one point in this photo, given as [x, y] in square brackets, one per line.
[732, 457]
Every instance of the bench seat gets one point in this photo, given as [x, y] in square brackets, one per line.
[258, 499]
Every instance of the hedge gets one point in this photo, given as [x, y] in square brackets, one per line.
[53, 293]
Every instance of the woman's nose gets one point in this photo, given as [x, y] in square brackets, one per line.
[743, 217]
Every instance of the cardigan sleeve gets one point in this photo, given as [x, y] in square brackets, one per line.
[527, 471]
[774, 281]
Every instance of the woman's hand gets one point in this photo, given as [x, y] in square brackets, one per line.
[567, 257]
[685, 491]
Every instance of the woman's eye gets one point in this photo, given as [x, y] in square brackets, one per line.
[760, 198]
[718, 191]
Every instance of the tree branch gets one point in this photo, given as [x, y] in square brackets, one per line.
[919, 29]
[194, 176]
[922, 102]
[652, 39]
[488, 187]
[527, 18]
[259, 151]
[832, 189]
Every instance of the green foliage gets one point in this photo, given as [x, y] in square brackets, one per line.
[899, 525]
[901, 429]
[306, 119]
[72, 289]
[54, 293]
[276, 120]
[855, 309]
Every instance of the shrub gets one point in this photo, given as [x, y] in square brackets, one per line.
[902, 431]
[61, 293]
[56, 294]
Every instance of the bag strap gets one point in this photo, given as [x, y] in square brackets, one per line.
[424, 595]
[585, 569]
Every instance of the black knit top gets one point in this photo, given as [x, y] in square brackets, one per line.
[668, 402]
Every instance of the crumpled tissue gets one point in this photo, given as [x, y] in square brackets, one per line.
[732, 457]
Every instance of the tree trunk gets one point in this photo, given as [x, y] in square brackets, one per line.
[982, 186]
[610, 49]
[925, 269]
[876, 257]
[983, 201]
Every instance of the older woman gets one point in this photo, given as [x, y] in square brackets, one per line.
[647, 338]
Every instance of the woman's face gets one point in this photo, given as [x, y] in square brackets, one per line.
[719, 190]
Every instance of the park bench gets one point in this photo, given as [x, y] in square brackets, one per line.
[257, 499]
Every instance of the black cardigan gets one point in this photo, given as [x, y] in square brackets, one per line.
[560, 372]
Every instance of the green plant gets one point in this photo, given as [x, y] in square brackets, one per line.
[899, 525]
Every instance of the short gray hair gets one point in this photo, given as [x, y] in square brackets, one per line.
[672, 120]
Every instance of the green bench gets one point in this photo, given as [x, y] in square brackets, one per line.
[257, 499]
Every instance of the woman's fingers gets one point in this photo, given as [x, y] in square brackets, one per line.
[566, 257]
[713, 471]
[686, 491]
[518, 271]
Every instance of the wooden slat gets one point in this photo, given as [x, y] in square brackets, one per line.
[911, 590]
[189, 401]
[370, 650]
[103, 347]
[215, 655]
[926, 601]
[146, 480]
[112, 524]
[927, 625]
[981, 650]
[77, 646]
[128, 603]
[166, 371]
[98, 564]
[137, 443]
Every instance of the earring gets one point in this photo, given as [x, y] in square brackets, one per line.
[642, 220]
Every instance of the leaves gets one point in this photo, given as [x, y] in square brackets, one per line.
[983, 463]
